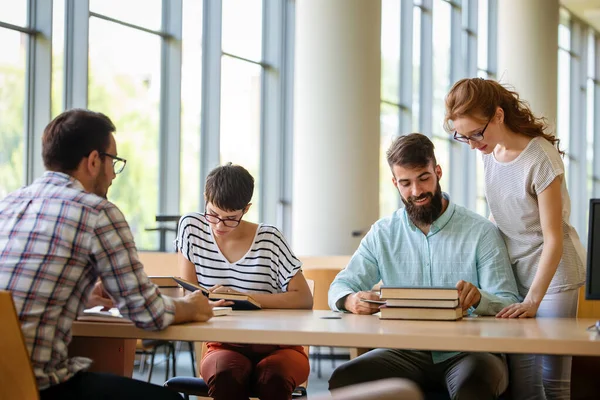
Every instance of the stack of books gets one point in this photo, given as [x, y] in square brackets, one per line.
[423, 303]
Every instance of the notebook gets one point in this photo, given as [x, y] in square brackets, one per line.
[417, 303]
[95, 314]
[240, 301]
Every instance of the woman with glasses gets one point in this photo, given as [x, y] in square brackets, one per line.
[528, 200]
[221, 251]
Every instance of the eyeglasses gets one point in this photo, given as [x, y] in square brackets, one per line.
[477, 137]
[118, 162]
[230, 223]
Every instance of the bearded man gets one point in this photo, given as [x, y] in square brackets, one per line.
[431, 242]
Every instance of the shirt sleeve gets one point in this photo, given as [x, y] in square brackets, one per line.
[546, 169]
[288, 265]
[115, 259]
[497, 283]
[362, 272]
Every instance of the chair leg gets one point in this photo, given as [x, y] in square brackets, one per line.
[174, 359]
[151, 364]
[332, 357]
[319, 375]
[193, 358]
[142, 366]
[167, 361]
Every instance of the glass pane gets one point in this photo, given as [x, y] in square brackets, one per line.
[564, 105]
[240, 120]
[416, 67]
[14, 12]
[58, 45]
[564, 33]
[125, 85]
[388, 195]
[145, 13]
[390, 49]
[590, 134]
[481, 203]
[191, 101]
[242, 28]
[482, 35]
[12, 101]
[441, 66]
[442, 155]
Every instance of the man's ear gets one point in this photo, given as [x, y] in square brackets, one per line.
[247, 208]
[394, 182]
[94, 163]
[438, 171]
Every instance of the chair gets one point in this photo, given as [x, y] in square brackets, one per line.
[198, 387]
[16, 375]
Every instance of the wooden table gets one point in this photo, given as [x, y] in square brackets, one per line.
[480, 334]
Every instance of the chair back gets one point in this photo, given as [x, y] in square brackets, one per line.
[16, 375]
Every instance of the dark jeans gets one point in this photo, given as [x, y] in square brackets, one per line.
[97, 386]
[466, 376]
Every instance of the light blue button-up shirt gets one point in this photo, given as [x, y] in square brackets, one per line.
[460, 245]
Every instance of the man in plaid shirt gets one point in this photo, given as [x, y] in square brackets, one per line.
[62, 243]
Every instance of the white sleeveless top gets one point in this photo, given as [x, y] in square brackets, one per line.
[511, 190]
[267, 267]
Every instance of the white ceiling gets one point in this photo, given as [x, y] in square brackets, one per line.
[587, 10]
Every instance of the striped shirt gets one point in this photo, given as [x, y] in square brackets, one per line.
[267, 267]
[512, 191]
[460, 245]
[56, 239]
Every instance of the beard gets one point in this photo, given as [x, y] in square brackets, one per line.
[425, 214]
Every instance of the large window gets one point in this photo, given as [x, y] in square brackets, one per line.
[242, 69]
[12, 95]
[427, 45]
[125, 85]
[579, 104]
[191, 106]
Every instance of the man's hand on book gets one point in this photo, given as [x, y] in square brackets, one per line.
[99, 297]
[468, 294]
[199, 307]
[354, 304]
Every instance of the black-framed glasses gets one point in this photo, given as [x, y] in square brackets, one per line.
[477, 137]
[230, 223]
[118, 162]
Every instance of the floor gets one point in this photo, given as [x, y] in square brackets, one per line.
[184, 368]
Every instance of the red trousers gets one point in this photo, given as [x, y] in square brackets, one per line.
[269, 372]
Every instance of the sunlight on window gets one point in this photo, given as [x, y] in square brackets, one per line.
[390, 50]
[12, 101]
[144, 13]
[125, 85]
[58, 40]
[240, 120]
[242, 28]
[13, 12]
[191, 102]
[388, 195]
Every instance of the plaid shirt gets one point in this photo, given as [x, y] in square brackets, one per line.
[56, 239]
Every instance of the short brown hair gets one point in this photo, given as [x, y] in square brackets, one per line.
[229, 187]
[414, 150]
[73, 135]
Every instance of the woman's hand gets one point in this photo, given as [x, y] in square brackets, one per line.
[224, 289]
[526, 309]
